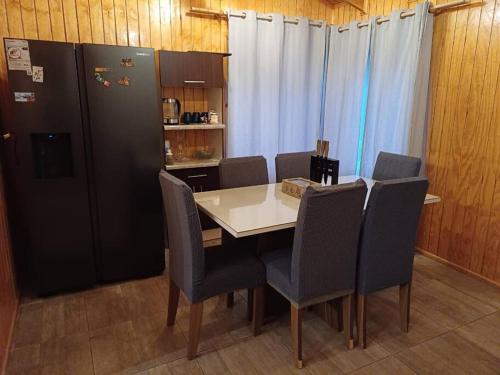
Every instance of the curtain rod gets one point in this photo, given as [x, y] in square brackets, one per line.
[410, 13]
[203, 12]
[224, 15]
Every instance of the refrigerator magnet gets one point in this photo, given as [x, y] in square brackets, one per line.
[100, 69]
[24, 97]
[127, 63]
[106, 83]
[37, 74]
[98, 77]
[124, 81]
[18, 54]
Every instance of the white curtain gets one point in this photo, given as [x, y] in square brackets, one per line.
[300, 90]
[344, 93]
[397, 94]
[254, 86]
[274, 89]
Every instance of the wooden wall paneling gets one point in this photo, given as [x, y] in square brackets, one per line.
[29, 19]
[144, 23]
[186, 26]
[84, 26]
[43, 19]
[176, 25]
[57, 20]
[493, 239]
[453, 139]
[443, 229]
[463, 132]
[15, 20]
[487, 160]
[70, 21]
[132, 23]
[96, 21]
[206, 28]
[165, 25]
[108, 22]
[155, 24]
[121, 22]
[223, 25]
[215, 28]
[480, 191]
[437, 68]
[439, 101]
[197, 27]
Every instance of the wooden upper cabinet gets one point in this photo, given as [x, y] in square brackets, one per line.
[191, 69]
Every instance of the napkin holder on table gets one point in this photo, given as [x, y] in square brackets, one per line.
[297, 186]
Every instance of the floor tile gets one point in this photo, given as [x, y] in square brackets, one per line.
[449, 354]
[389, 365]
[445, 305]
[484, 332]
[470, 285]
[383, 323]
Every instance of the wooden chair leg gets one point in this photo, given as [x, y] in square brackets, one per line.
[195, 318]
[258, 309]
[339, 321]
[347, 317]
[296, 326]
[250, 302]
[230, 300]
[361, 321]
[404, 306]
[173, 302]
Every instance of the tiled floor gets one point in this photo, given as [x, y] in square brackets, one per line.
[455, 329]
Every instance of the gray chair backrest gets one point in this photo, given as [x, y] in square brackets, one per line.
[326, 240]
[293, 164]
[391, 166]
[244, 171]
[187, 258]
[388, 236]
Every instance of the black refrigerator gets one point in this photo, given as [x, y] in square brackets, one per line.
[83, 152]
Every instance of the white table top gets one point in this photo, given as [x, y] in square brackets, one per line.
[258, 209]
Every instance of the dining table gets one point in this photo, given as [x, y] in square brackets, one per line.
[253, 210]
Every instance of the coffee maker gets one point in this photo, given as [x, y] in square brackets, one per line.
[171, 111]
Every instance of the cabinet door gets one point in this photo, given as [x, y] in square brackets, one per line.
[172, 68]
[195, 73]
[191, 69]
[213, 70]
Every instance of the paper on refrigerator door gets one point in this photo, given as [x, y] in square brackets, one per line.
[18, 54]
[37, 74]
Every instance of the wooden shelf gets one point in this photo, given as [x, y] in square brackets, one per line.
[194, 127]
[193, 164]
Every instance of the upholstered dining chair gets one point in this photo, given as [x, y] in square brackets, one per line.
[243, 171]
[200, 273]
[387, 244]
[240, 172]
[391, 166]
[321, 265]
[293, 164]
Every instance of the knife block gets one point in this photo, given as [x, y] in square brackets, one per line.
[322, 168]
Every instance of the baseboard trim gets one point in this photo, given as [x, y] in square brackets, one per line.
[3, 366]
[457, 267]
